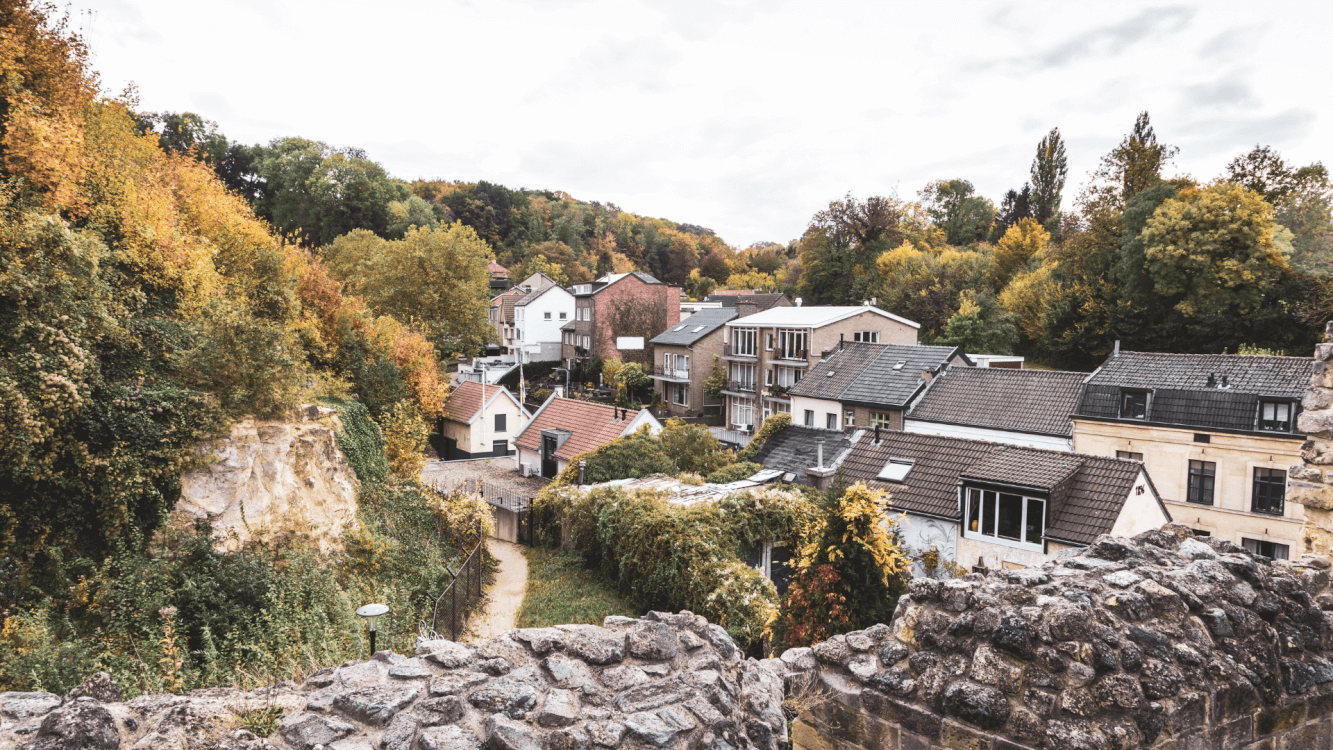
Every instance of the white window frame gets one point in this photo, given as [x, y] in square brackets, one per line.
[866, 337]
[831, 421]
[739, 407]
[788, 340]
[563, 314]
[743, 337]
[676, 394]
[995, 538]
[546, 316]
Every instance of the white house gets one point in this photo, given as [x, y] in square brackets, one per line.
[538, 316]
[563, 428]
[480, 420]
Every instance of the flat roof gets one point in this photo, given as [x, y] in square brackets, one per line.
[811, 317]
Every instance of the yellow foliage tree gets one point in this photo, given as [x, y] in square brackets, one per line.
[405, 435]
[1027, 296]
[1024, 240]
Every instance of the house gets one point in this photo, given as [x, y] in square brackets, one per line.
[684, 359]
[499, 275]
[1030, 408]
[794, 450]
[690, 307]
[479, 420]
[619, 309]
[1216, 431]
[990, 506]
[1004, 361]
[860, 384]
[773, 348]
[501, 312]
[563, 428]
[538, 316]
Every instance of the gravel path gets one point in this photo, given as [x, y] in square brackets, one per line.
[505, 595]
[497, 471]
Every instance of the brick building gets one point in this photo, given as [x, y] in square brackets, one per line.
[617, 305]
[683, 359]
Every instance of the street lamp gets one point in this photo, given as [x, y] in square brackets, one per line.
[371, 612]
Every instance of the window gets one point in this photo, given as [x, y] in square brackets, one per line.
[870, 337]
[546, 316]
[1201, 532]
[1202, 437]
[1005, 517]
[500, 423]
[809, 418]
[769, 342]
[849, 418]
[743, 342]
[563, 314]
[1133, 404]
[768, 376]
[780, 407]
[742, 413]
[1267, 549]
[1202, 476]
[791, 344]
[1130, 455]
[742, 377]
[896, 470]
[831, 421]
[1270, 490]
[1275, 416]
[680, 394]
[881, 419]
[788, 376]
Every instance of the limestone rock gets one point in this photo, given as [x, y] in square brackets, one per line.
[99, 687]
[83, 723]
[277, 476]
[19, 707]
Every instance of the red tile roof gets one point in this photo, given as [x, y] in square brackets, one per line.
[465, 400]
[592, 426]
[497, 270]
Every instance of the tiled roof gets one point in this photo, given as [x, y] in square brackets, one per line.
[1264, 376]
[506, 303]
[813, 317]
[532, 296]
[794, 449]
[1037, 401]
[761, 300]
[1086, 492]
[465, 400]
[497, 270]
[591, 425]
[1181, 394]
[695, 327]
[869, 373]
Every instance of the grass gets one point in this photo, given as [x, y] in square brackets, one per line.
[562, 590]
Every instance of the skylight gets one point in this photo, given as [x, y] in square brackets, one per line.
[896, 470]
[697, 329]
[680, 327]
[900, 364]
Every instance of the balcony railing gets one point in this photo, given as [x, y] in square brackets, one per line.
[740, 386]
[779, 391]
[792, 354]
[729, 350]
[679, 373]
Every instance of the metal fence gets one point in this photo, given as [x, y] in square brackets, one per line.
[455, 612]
[732, 437]
[511, 511]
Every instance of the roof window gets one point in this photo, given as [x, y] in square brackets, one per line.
[900, 364]
[896, 470]
[1275, 416]
[697, 329]
[680, 327]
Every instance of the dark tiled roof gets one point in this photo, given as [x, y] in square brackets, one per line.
[533, 295]
[761, 300]
[506, 303]
[1264, 376]
[1086, 492]
[1038, 401]
[1180, 391]
[685, 333]
[793, 449]
[866, 374]
[591, 426]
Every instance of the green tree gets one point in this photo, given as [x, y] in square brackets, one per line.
[954, 207]
[841, 244]
[1024, 240]
[927, 285]
[1300, 196]
[981, 326]
[1049, 168]
[405, 214]
[693, 448]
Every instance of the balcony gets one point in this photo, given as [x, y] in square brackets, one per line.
[792, 355]
[671, 374]
[740, 388]
[781, 393]
[729, 352]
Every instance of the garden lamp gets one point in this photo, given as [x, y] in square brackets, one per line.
[371, 612]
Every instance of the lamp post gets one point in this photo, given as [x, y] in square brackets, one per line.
[371, 612]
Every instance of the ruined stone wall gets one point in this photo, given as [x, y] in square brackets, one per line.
[1162, 641]
[1308, 483]
[664, 681]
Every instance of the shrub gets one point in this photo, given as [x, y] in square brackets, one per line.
[772, 426]
[637, 455]
[405, 438]
[361, 442]
[734, 473]
[693, 447]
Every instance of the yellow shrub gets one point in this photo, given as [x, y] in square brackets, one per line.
[405, 435]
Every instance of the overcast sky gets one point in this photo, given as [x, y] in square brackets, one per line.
[742, 117]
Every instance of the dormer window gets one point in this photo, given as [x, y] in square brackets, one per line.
[896, 470]
[1009, 519]
[1275, 416]
[1133, 404]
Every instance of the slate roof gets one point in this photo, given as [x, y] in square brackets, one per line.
[534, 294]
[761, 300]
[864, 373]
[695, 327]
[812, 317]
[1033, 401]
[465, 400]
[1181, 394]
[1086, 492]
[506, 303]
[591, 426]
[793, 449]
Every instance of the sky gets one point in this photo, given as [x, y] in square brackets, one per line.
[742, 117]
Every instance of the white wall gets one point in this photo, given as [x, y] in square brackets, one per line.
[1140, 512]
[530, 321]
[919, 533]
[819, 406]
[1049, 442]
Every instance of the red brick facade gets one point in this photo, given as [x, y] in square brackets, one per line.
[595, 309]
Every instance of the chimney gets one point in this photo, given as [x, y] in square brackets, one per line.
[1117, 349]
[927, 374]
[798, 301]
[840, 341]
[1212, 380]
[877, 433]
[819, 453]
[746, 307]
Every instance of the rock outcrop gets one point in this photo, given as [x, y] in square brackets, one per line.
[1160, 641]
[280, 476]
[664, 681]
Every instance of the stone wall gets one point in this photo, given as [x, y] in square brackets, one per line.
[1162, 641]
[664, 681]
[1308, 483]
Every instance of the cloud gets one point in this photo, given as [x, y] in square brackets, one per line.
[1207, 136]
[1232, 42]
[1222, 93]
[1104, 41]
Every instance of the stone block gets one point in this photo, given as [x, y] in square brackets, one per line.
[1318, 706]
[1315, 422]
[905, 715]
[1318, 452]
[1306, 473]
[1310, 495]
[959, 737]
[1312, 736]
[1273, 720]
[1232, 702]
[1234, 734]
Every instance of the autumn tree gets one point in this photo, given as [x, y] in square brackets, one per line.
[955, 208]
[1016, 205]
[1300, 197]
[841, 244]
[1024, 240]
[927, 285]
[1049, 169]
